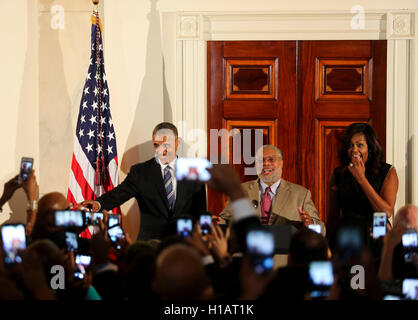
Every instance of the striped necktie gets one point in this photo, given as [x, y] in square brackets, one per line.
[168, 184]
[265, 206]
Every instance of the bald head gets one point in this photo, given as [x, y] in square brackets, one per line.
[407, 216]
[180, 273]
[53, 201]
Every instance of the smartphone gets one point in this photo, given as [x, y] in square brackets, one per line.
[115, 233]
[113, 220]
[69, 218]
[82, 264]
[349, 242]
[26, 165]
[410, 245]
[410, 288]
[260, 249]
[193, 169]
[315, 227]
[184, 227]
[96, 216]
[14, 239]
[205, 221]
[379, 224]
[71, 241]
[321, 274]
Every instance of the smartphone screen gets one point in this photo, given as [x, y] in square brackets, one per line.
[96, 217]
[184, 227]
[379, 225]
[322, 277]
[193, 169]
[205, 222]
[82, 263]
[14, 239]
[26, 165]
[260, 248]
[410, 288]
[410, 244]
[115, 233]
[71, 241]
[315, 227]
[113, 220]
[69, 218]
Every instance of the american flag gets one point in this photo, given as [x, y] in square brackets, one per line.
[94, 167]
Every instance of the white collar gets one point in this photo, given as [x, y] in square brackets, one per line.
[273, 187]
[172, 164]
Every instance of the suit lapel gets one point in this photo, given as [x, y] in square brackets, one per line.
[280, 200]
[159, 183]
[180, 196]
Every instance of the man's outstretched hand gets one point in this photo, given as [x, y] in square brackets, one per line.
[89, 205]
[225, 179]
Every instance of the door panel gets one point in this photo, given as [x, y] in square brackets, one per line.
[300, 95]
[252, 85]
[337, 86]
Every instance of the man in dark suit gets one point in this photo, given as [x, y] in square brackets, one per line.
[161, 198]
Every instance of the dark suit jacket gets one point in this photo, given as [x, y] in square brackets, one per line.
[145, 183]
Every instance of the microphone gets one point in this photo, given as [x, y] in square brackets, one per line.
[255, 203]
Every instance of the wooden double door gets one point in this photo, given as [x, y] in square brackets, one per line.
[296, 95]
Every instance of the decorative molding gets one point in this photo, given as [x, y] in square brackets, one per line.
[188, 26]
[400, 25]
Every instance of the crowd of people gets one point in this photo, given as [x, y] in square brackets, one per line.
[345, 262]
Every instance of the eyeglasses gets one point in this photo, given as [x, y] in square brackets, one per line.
[267, 159]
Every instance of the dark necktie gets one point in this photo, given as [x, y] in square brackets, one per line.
[168, 184]
[265, 206]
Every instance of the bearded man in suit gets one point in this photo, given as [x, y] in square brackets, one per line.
[276, 200]
[161, 198]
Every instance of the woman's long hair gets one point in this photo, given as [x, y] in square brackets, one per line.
[374, 147]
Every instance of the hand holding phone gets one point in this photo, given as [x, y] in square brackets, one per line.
[322, 277]
[410, 245]
[26, 165]
[69, 218]
[184, 227]
[205, 221]
[260, 249]
[82, 265]
[14, 239]
[116, 233]
[379, 224]
[113, 220]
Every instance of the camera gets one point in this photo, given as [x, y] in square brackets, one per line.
[193, 169]
[82, 264]
[184, 227]
[410, 244]
[410, 288]
[92, 218]
[205, 221]
[71, 241]
[115, 233]
[69, 218]
[379, 224]
[14, 239]
[26, 165]
[113, 220]
[260, 249]
[321, 275]
[315, 227]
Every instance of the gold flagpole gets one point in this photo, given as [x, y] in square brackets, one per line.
[95, 4]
